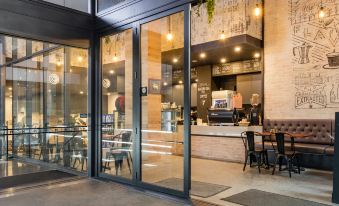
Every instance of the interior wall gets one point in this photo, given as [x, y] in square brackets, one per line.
[299, 82]
[249, 84]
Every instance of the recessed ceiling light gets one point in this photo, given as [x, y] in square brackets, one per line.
[108, 94]
[256, 55]
[10, 96]
[223, 60]
[202, 55]
[194, 61]
[180, 82]
[237, 48]
[196, 80]
[111, 71]
[10, 88]
[175, 60]
[165, 84]
[81, 92]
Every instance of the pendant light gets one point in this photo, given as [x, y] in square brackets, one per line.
[222, 36]
[257, 10]
[169, 35]
[321, 12]
[115, 57]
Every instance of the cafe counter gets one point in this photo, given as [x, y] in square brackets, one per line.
[220, 142]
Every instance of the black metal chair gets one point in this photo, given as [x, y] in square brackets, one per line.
[121, 151]
[282, 154]
[251, 151]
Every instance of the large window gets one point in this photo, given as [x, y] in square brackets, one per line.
[44, 101]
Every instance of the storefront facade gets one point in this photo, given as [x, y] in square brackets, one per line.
[149, 88]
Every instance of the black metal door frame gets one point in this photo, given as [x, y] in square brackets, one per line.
[136, 177]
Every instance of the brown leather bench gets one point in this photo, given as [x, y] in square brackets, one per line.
[319, 143]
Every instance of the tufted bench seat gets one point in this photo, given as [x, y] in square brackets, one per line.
[318, 143]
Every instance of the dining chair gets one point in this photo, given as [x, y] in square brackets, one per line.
[122, 152]
[282, 154]
[250, 150]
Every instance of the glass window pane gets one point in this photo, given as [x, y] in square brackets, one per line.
[117, 104]
[162, 60]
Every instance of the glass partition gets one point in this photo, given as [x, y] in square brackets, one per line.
[43, 91]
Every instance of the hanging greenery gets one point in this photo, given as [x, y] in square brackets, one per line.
[210, 6]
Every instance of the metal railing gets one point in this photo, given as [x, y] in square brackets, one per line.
[60, 141]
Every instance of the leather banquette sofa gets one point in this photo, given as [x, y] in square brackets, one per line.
[317, 149]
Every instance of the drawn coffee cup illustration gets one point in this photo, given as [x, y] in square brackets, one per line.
[303, 52]
[333, 60]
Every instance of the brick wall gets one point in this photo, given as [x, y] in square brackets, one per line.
[299, 86]
[218, 148]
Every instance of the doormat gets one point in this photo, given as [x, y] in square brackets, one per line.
[32, 178]
[201, 189]
[257, 197]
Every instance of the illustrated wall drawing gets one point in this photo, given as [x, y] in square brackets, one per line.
[315, 49]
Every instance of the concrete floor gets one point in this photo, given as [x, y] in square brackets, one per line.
[87, 192]
[314, 185]
[14, 167]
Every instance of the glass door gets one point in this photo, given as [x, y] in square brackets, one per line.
[117, 104]
[163, 103]
[144, 134]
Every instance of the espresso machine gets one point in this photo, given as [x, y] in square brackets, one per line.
[222, 112]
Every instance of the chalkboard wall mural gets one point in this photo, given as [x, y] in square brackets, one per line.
[315, 57]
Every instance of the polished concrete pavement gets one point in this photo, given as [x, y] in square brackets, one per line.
[313, 185]
[88, 192]
[15, 167]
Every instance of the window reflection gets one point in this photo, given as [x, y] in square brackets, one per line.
[45, 109]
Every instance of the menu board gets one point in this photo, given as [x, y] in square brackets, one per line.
[240, 67]
[179, 74]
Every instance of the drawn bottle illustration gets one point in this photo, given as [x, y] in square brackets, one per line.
[334, 94]
[303, 52]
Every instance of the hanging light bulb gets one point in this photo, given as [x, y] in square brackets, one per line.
[257, 10]
[80, 58]
[222, 35]
[115, 58]
[58, 63]
[321, 12]
[169, 36]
